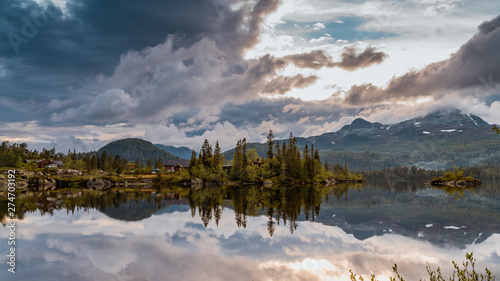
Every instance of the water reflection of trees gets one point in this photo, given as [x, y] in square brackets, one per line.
[281, 204]
[48, 202]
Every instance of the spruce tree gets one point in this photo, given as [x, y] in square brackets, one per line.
[270, 144]
[237, 162]
[193, 163]
[244, 151]
[217, 157]
[307, 162]
[206, 158]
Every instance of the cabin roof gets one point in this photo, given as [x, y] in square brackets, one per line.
[182, 162]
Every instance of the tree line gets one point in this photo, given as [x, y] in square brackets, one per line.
[15, 155]
[283, 162]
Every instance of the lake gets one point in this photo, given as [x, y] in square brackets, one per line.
[250, 233]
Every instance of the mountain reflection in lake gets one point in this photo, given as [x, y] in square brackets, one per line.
[252, 233]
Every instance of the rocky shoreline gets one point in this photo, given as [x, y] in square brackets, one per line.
[60, 179]
[39, 181]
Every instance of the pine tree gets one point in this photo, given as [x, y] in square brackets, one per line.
[279, 157]
[270, 144]
[206, 158]
[93, 163]
[217, 157]
[117, 164]
[237, 162]
[193, 163]
[307, 162]
[102, 161]
[285, 161]
[316, 155]
[244, 152]
[159, 165]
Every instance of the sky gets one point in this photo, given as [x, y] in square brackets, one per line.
[79, 74]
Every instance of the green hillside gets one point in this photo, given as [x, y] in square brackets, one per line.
[181, 152]
[133, 148]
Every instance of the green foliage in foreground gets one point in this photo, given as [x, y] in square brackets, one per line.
[459, 274]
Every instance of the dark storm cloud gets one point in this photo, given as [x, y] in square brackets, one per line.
[68, 50]
[120, 61]
[242, 25]
[95, 33]
[472, 66]
[156, 83]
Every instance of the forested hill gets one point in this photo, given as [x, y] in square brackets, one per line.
[438, 140]
[181, 152]
[133, 148]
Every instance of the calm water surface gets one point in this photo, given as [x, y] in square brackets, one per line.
[249, 233]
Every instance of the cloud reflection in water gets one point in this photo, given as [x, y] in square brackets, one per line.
[176, 246]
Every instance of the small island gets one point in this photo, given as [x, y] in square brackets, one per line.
[283, 163]
[455, 178]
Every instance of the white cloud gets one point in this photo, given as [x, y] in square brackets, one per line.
[327, 127]
[322, 40]
[414, 39]
[318, 26]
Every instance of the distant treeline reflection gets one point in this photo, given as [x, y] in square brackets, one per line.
[280, 204]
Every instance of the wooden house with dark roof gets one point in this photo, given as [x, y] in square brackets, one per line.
[49, 163]
[176, 165]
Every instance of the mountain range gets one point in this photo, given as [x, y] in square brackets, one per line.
[438, 140]
[181, 152]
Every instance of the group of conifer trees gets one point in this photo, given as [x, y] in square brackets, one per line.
[283, 162]
[209, 163]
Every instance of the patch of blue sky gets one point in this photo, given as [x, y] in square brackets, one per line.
[344, 29]
[490, 99]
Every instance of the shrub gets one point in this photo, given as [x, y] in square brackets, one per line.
[464, 274]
